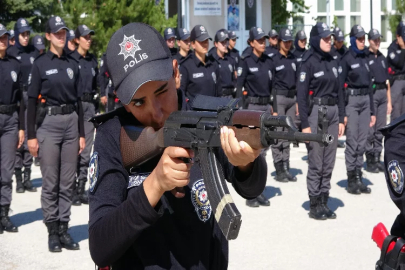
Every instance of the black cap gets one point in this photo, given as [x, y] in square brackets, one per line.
[3, 30]
[70, 35]
[221, 35]
[11, 33]
[285, 35]
[301, 35]
[182, 34]
[199, 33]
[22, 25]
[232, 35]
[38, 42]
[338, 34]
[169, 33]
[256, 33]
[83, 30]
[55, 24]
[357, 31]
[374, 34]
[137, 54]
[273, 33]
[401, 30]
[320, 29]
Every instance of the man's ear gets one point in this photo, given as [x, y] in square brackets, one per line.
[176, 73]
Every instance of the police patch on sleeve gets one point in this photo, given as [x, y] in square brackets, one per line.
[199, 198]
[335, 72]
[240, 71]
[32, 59]
[93, 72]
[396, 176]
[340, 69]
[293, 66]
[302, 76]
[214, 77]
[270, 75]
[29, 79]
[93, 171]
[70, 73]
[230, 67]
[14, 76]
[392, 55]
[137, 180]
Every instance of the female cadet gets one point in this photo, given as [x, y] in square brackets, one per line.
[318, 83]
[139, 220]
[355, 74]
[299, 45]
[55, 78]
[382, 102]
[11, 126]
[26, 54]
[88, 89]
[284, 81]
[255, 74]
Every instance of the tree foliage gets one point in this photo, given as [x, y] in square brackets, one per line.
[394, 19]
[280, 14]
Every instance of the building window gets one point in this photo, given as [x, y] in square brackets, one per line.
[339, 5]
[321, 5]
[394, 4]
[298, 23]
[383, 5]
[355, 20]
[384, 28]
[321, 19]
[341, 22]
[355, 5]
[250, 14]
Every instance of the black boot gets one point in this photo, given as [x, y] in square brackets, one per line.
[263, 200]
[316, 211]
[81, 192]
[54, 244]
[65, 238]
[280, 174]
[371, 166]
[252, 203]
[27, 181]
[324, 202]
[377, 160]
[286, 168]
[36, 161]
[341, 144]
[5, 221]
[18, 177]
[352, 187]
[359, 181]
[75, 199]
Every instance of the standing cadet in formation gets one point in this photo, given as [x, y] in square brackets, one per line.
[200, 74]
[232, 51]
[88, 67]
[26, 54]
[300, 44]
[226, 64]
[55, 77]
[396, 63]
[106, 86]
[318, 87]
[272, 49]
[70, 42]
[338, 48]
[11, 126]
[255, 74]
[170, 37]
[382, 102]
[183, 42]
[38, 43]
[355, 74]
[284, 91]
[11, 40]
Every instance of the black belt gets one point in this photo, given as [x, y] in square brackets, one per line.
[288, 93]
[228, 91]
[7, 109]
[380, 86]
[325, 101]
[358, 92]
[259, 100]
[88, 97]
[62, 109]
[399, 77]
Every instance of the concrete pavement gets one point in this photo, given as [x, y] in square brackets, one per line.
[277, 237]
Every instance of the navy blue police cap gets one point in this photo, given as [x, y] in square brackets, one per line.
[374, 34]
[55, 24]
[3, 30]
[137, 54]
[169, 33]
[401, 30]
[320, 29]
[199, 33]
[221, 35]
[256, 33]
[232, 35]
[338, 34]
[357, 31]
[11, 33]
[273, 33]
[38, 42]
[285, 35]
[70, 35]
[22, 25]
[301, 35]
[183, 34]
[83, 30]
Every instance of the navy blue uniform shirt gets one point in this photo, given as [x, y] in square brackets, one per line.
[298, 53]
[338, 54]
[234, 53]
[125, 231]
[378, 66]
[26, 56]
[10, 79]
[103, 76]
[318, 75]
[285, 71]
[197, 78]
[88, 72]
[396, 58]
[271, 51]
[180, 57]
[355, 71]
[227, 69]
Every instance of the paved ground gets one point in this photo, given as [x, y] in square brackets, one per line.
[277, 237]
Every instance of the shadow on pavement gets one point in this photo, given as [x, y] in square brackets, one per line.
[79, 232]
[26, 217]
[270, 192]
[343, 183]
[37, 182]
[333, 204]
[293, 171]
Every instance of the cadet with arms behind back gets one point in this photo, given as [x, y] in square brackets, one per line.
[166, 198]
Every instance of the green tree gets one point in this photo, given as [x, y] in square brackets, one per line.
[280, 14]
[394, 19]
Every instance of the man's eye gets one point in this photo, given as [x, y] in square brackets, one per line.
[138, 103]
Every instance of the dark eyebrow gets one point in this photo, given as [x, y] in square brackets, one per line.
[160, 89]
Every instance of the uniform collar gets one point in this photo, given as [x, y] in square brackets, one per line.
[51, 55]
[254, 57]
[76, 55]
[289, 55]
[198, 62]
[216, 56]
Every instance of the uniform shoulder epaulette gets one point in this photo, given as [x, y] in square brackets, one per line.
[307, 54]
[102, 118]
[388, 128]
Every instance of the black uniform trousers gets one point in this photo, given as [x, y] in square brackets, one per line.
[8, 144]
[58, 139]
[375, 137]
[84, 158]
[357, 129]
[321, 160]
[398, 99]
[285, 106]
[23, 157]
